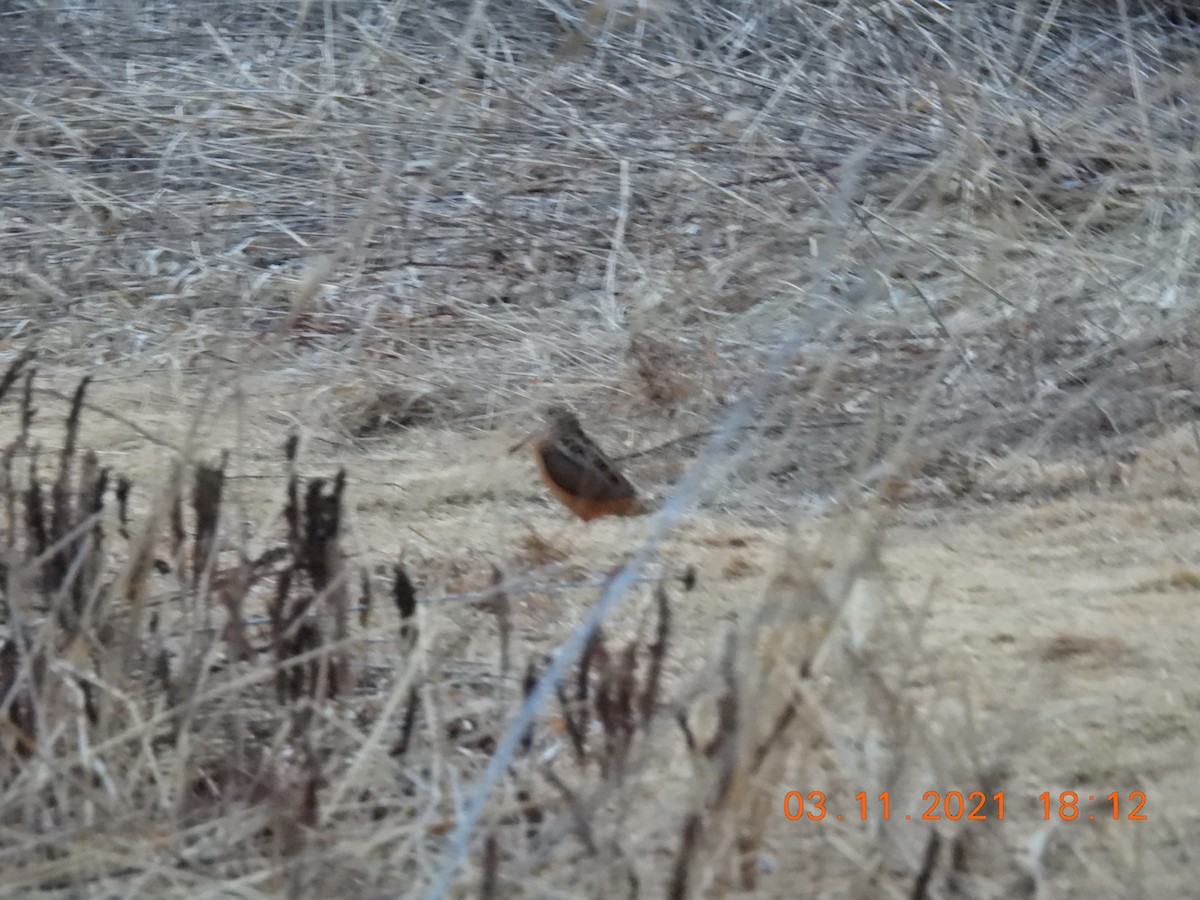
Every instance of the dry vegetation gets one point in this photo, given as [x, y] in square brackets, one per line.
[889, 306]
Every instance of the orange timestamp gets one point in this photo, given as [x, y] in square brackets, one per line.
[971, 806]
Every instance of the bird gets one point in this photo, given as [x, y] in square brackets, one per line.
[578, 473]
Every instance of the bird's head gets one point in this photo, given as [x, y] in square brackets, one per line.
[559, 416]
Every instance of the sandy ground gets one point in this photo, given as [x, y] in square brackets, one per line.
[1052, 642]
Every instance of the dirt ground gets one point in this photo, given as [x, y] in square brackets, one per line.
[1048, 644]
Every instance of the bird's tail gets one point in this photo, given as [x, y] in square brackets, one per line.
[640, 507]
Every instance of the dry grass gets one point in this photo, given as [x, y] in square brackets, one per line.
[889, 305]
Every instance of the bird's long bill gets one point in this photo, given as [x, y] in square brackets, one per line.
[521, 443]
